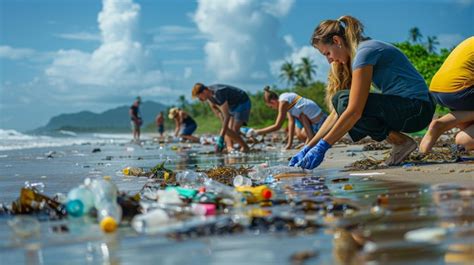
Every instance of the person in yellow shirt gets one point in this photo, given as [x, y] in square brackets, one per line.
[453, 87]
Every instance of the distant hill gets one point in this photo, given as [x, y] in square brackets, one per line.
[116, 119]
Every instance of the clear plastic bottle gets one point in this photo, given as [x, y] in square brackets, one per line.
[150, 221]
[80, 201]
[109, 216]
[109, 212]
[240, 180]
[222, 189]
[104, 191]
[191, 179]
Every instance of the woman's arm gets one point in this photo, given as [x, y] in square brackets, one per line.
[291, 130]
[307, 127]
[325, 128]
[361, 79]
[177, 125]
[224, 110]
[282, 110]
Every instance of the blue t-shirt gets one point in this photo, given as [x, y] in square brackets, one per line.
[393, 74]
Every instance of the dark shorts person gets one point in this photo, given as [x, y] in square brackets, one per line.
[460, 100]
[384, 113]
[241, 112]
[188, 127]
[161, 128]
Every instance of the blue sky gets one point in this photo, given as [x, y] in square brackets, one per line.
[64, 56]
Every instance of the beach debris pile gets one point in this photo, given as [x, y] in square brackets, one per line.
[226, 174]
[373, 146]
[368, 163]
[184, 204]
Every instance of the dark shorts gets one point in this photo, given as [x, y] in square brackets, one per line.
[241, 112]
[188, 129]
[135, 126]
[161, 128]
[385, 113]
[314, 126]
[461, 100]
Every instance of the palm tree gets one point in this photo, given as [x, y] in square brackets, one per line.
[432, 43]
[301, 81]
[288, 72]
[307, 69]
[183, 103]
[415, 34]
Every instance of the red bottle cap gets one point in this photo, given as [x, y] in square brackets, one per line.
[267, 194]
[202, 189]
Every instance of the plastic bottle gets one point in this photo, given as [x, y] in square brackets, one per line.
[39, 186]
[222, 189]
[80, 201]
[133, 171]
[203, 209]
[150, 221]
[32, 201]
[170, 196]
[104, 191]
[183, 192]
[191, 179]
[240, 180]
[256, 194]
[109, 216]
[109, 212]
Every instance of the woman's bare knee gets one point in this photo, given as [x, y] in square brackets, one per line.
[465, 139]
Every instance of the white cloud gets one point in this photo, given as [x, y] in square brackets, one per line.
[118, 63]
[176, 38]
[449, 40]
[279, 8]
[182, 61]
[11, 53]
[242, 37]
[83, 36]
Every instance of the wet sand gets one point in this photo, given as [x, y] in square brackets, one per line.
[461, 173]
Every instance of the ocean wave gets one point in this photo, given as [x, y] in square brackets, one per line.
[16, 135]
[14, 140]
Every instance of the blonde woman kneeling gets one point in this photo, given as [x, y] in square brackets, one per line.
[184, 124]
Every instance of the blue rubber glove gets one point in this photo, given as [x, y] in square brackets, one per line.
[220, 144]
[315, 156]
[299, 156]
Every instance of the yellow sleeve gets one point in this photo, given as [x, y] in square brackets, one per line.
[457, 71]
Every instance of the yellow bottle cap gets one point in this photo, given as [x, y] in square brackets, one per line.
[126, 171]
[108, 224]
[109, 178]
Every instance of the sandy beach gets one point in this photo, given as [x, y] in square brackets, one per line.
[461, 173]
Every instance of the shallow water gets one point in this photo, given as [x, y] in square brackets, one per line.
[376, 233]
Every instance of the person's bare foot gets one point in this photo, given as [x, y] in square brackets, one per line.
[400, 152]
[244, 149]
[433, 133]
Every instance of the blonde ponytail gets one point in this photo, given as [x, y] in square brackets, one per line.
[350, 30]
[353, 32]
